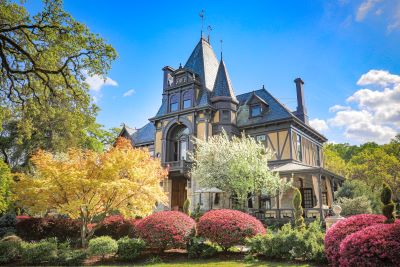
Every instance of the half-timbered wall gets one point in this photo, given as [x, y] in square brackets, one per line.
[309, 153]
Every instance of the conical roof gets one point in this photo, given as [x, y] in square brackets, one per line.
[204, 62]
[223, 85]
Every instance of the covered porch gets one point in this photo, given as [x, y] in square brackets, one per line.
[317, 186]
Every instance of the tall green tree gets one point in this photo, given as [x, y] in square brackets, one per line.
[374, 166]
[333, 160]
[47, 54]
[237, 165]
[5, 182]
[44, 100]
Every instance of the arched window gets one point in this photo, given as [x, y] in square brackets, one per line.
[173, 103]
[178, 143]
[187, 99]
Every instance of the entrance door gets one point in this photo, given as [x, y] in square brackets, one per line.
[178, 195]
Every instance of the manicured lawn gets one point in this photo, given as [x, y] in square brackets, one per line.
[223, 263]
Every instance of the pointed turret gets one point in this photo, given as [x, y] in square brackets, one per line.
[223, 89]
[204, 62]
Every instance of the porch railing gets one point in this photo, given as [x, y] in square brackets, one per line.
[287, 214]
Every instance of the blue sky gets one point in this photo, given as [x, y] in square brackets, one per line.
[329, 44]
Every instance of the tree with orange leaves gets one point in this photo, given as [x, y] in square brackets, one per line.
[84, 184]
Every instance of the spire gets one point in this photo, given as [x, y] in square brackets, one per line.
[203, 62]
[223, 86]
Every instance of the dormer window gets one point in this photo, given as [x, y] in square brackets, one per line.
[187, 99]
[173, 103]
[255, 110]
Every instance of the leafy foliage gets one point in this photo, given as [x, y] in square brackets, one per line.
[44, 251]
[130, 248]
[116, 226]
[166, 230]
[388, 204]
[352, 189]
[122, 179]
[199, 247]
[7, 224]
[340, 230]
[228, 227]
[186, 207]
[353, 206]
[5, 181]
[47, 54]
[377, 245]
[236, 165]
[102, 246]
[10, 249]
[298, 209]
[290, 243]
[35, 229]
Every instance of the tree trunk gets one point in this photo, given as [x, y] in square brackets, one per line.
[84, 234]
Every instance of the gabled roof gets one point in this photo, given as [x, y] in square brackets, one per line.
[223, 85]
[204, 62]
[144, 135]
[277, 111]
[139, 136]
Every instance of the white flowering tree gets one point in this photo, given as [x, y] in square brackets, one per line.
[236, 165]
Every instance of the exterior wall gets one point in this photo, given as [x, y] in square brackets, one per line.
[310, 149]
[278, 141]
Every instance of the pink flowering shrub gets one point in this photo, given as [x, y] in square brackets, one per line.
[166, 230]
[340, 230]
[228, 227]
[377, 245]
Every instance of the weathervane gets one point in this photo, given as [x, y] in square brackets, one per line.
[209, 32]
[201, 15]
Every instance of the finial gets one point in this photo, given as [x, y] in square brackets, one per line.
[263, 87]
[221, 48]
[180, 65]
[201, 15]
[209, 32]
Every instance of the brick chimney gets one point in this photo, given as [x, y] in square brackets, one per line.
[301, 111]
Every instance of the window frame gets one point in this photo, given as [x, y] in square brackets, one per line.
[187, 96]
[173, 100]
[252, 107]
[299, 147]
[225, 117]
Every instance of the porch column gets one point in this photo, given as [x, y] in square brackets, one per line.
[318, 193]
[329, 190]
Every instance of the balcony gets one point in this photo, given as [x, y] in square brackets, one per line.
[182, 166]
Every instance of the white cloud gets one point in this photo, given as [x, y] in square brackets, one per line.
[129, 93]
[376, 115]
[319, 125]
[395, 23]
[379, 77]
[364, 8]
[96, 82]
[336, 108]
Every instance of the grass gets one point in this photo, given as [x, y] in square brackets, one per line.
[223, 263]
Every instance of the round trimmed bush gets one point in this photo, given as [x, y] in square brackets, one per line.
[340, 230]
[228, 227]
[42, 252]
[102, 246]
[377, 245]
[166, 230]
[117, 227]
[10, 249]
[130, 248]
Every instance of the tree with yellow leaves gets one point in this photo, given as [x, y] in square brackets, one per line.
[84, 184]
